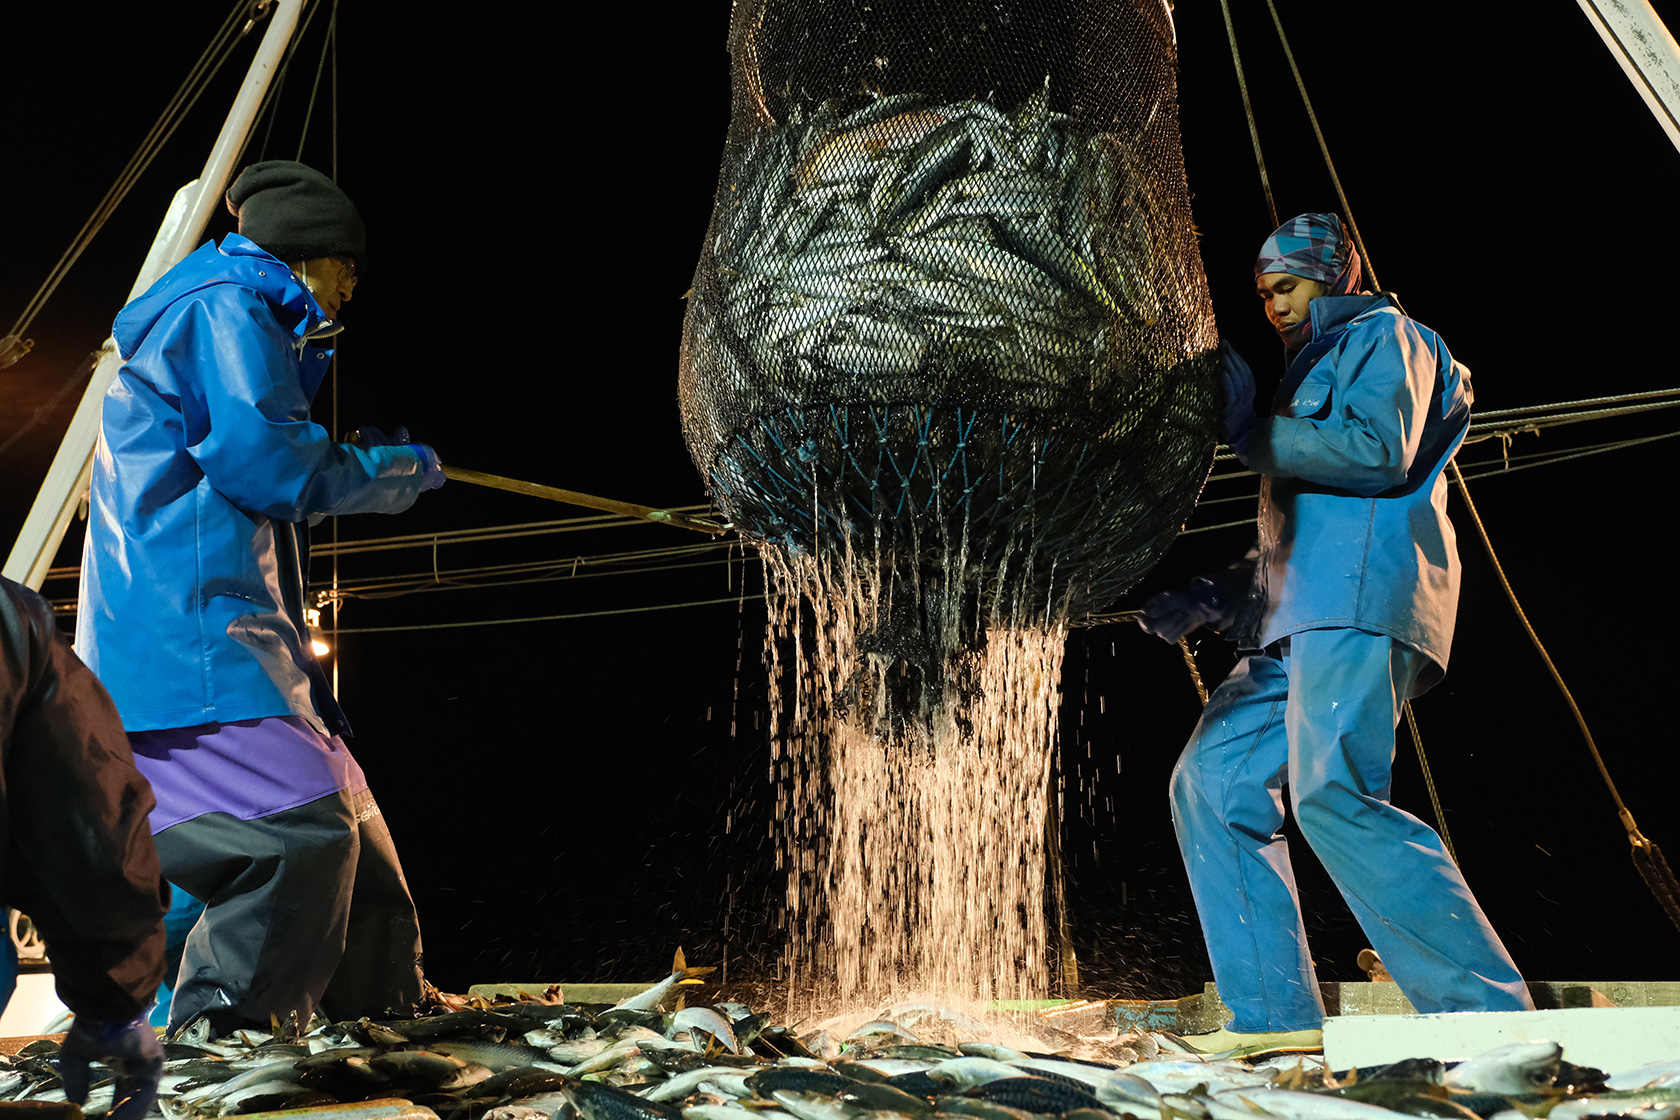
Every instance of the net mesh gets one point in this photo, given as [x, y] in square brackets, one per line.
[950, 297]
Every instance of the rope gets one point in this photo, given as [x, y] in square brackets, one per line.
[1248, 108]
[1195, 673]
[1353, 226]
[186, 96]
[1429, 782]
[1646, 856]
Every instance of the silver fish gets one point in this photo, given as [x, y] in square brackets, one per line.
[1521, 1067]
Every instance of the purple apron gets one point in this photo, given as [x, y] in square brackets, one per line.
[249, 769]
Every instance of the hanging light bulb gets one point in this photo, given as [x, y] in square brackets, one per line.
[317, 640]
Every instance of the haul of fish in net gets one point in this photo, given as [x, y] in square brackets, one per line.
[948, 361]
[534, 1059]
[932, 243]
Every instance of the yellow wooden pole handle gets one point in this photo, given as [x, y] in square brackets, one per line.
[572, 497]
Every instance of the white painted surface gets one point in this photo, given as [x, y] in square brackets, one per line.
[1646, 50]
[35, 1007]
[1612, 1039]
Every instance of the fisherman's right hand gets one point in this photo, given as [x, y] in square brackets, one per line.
[1173, 614]
[431, 467]
[1237, 382]
[368, 436]
[130, 1050]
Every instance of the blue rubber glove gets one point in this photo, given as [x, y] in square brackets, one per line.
[130, 1050]
[430, 464]
[1173, 614]
[1237, 419]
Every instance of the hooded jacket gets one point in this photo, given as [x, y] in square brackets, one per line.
[1353, 500]
[206, 470]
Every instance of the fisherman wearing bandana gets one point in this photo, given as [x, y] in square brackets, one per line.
[1345, 609]
[207, 474]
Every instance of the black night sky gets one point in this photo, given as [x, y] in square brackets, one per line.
[537, 180]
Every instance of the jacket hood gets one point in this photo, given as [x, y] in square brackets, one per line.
[238, 260]
[1330, 314]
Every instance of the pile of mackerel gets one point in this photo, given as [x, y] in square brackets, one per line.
[538, 1058]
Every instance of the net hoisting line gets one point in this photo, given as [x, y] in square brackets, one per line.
[1324, 148]
[1647, 857]
[1248, 110]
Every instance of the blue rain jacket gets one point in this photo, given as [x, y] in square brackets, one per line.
[206, 471]
[1353, 500]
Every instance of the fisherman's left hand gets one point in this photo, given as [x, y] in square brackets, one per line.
[132, 1052]
[1237, 382]
[1173, 614]
[368, 436]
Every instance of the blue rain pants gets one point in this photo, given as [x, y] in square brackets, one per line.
[1319, 718]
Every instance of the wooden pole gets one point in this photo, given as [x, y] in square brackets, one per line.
[572, 497]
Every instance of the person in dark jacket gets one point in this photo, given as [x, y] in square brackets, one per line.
[78, 856]
[207, 471]
[1346, 608]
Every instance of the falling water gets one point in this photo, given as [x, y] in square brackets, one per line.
[913, 802]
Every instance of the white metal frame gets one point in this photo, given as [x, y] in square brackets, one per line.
[1646, 50]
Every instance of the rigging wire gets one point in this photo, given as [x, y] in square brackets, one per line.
[739, 598]
[315, 89]
[1248, 109]
[1300, 84]
[271, 99]
[198, 78]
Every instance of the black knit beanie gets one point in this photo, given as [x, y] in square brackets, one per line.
[297, 213]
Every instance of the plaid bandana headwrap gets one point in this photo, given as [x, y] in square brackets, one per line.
[1317, 247]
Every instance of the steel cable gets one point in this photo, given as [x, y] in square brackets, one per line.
[1248, 109]
[186, 96]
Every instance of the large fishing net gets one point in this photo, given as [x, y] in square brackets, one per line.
[951, 291]
[948, 360]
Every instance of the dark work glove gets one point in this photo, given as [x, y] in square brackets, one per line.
[1237, 416]
[368, 436]
[1173, 614]
[130, 1050]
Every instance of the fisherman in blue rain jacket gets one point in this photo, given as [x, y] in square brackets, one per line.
[207, 471]
[1345, 607]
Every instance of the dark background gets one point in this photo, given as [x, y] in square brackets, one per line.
[575, 797]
